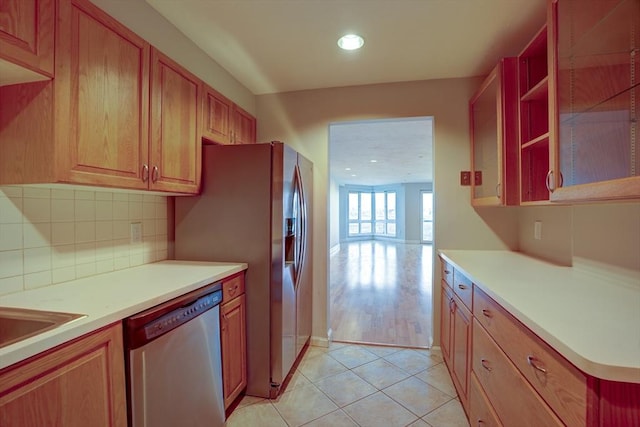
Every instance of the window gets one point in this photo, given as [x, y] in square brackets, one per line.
[427, 217]
[372, 213]
[385, 202]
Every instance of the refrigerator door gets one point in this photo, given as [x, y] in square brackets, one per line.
[304, 277]
[283, 292]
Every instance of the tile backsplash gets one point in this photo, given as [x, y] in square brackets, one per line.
[52, 235]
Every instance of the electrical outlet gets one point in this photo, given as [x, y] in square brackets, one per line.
[477, 178]
[136, 232]
[465, 178]
[537, 230]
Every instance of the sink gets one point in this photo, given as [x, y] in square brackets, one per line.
[17, 324]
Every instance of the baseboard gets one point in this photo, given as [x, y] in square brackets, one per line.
[322, 341]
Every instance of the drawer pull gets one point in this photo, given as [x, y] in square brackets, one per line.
[463, 287]
[447, 272]
[485, 365]
[487, 313]
[532, 362]
[480, 423]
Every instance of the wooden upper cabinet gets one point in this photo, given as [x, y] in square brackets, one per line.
[225, 122]
[533, 92]
[218, 120]
[596, 74]
[175, 147]
[102, 91]
[26, 40]
[493, 113]
[244, 127]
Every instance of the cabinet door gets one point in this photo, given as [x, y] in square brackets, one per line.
[175, 141]
[446, 310]
[461, 350]
[597, 60]
[234, 351]
[244, 125]
[217, 117]
[26, 40]
[494, 154]
[101, 98]
[76, 385]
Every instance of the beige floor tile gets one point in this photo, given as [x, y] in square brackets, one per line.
[438, 376]
[335, 345]
[335, 419]
[381, 350]
[419, 423]
[249, 400]
[353, 356]
[303, 404]
[261, 414]
[450, 414]
[297, 379]
[379, 410]
[380, 373]
[345, 388]
[410, 361]
[313, 351]
[320, 366]
[417, 396]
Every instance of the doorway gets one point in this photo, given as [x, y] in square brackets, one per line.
[381, 231]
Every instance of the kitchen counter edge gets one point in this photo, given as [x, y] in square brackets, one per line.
[590, 319]
[107, 298]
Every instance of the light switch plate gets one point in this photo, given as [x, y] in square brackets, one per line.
[465, 177]
[537, 230]
[136, 232]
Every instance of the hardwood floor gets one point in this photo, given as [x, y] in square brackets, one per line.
[380, 293]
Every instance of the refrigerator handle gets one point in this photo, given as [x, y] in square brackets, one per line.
[302, 227]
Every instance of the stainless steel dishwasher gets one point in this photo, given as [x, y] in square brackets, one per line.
[173, 362]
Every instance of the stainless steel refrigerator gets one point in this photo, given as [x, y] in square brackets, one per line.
[255, 207]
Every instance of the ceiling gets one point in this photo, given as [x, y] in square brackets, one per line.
[402, 150]
[273, 46]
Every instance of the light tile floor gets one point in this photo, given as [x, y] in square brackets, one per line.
[360, 385]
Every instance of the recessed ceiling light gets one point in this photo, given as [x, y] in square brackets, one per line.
[350, 42]
[374, 161]
[347, 169]
[353, 174]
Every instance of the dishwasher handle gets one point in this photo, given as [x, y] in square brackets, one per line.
[180, 315]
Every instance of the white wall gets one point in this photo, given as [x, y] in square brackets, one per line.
[302, 120]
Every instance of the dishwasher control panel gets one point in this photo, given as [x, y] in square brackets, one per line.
[181, 315]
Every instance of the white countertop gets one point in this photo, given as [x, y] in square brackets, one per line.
[589, 315]
[108, 298]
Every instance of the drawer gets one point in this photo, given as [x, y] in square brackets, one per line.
[481, 413]
[463, 287]
[561, 384]
[232, 287]
[514, 400]
[447, 272]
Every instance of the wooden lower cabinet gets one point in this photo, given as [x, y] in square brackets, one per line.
[461, 351]
[481, 413]
[446, 306]
[515, 401]
[233, 337]
[78, 384]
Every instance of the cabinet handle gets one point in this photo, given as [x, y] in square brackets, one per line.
[487, 313]
[463, 287]
[480, 422]
[498, 191]
[485, 365]
[452, 305]
[155, 174]
[447, 272]
[233, 290]
[549, 181]
[145, 173]
[532, 362]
